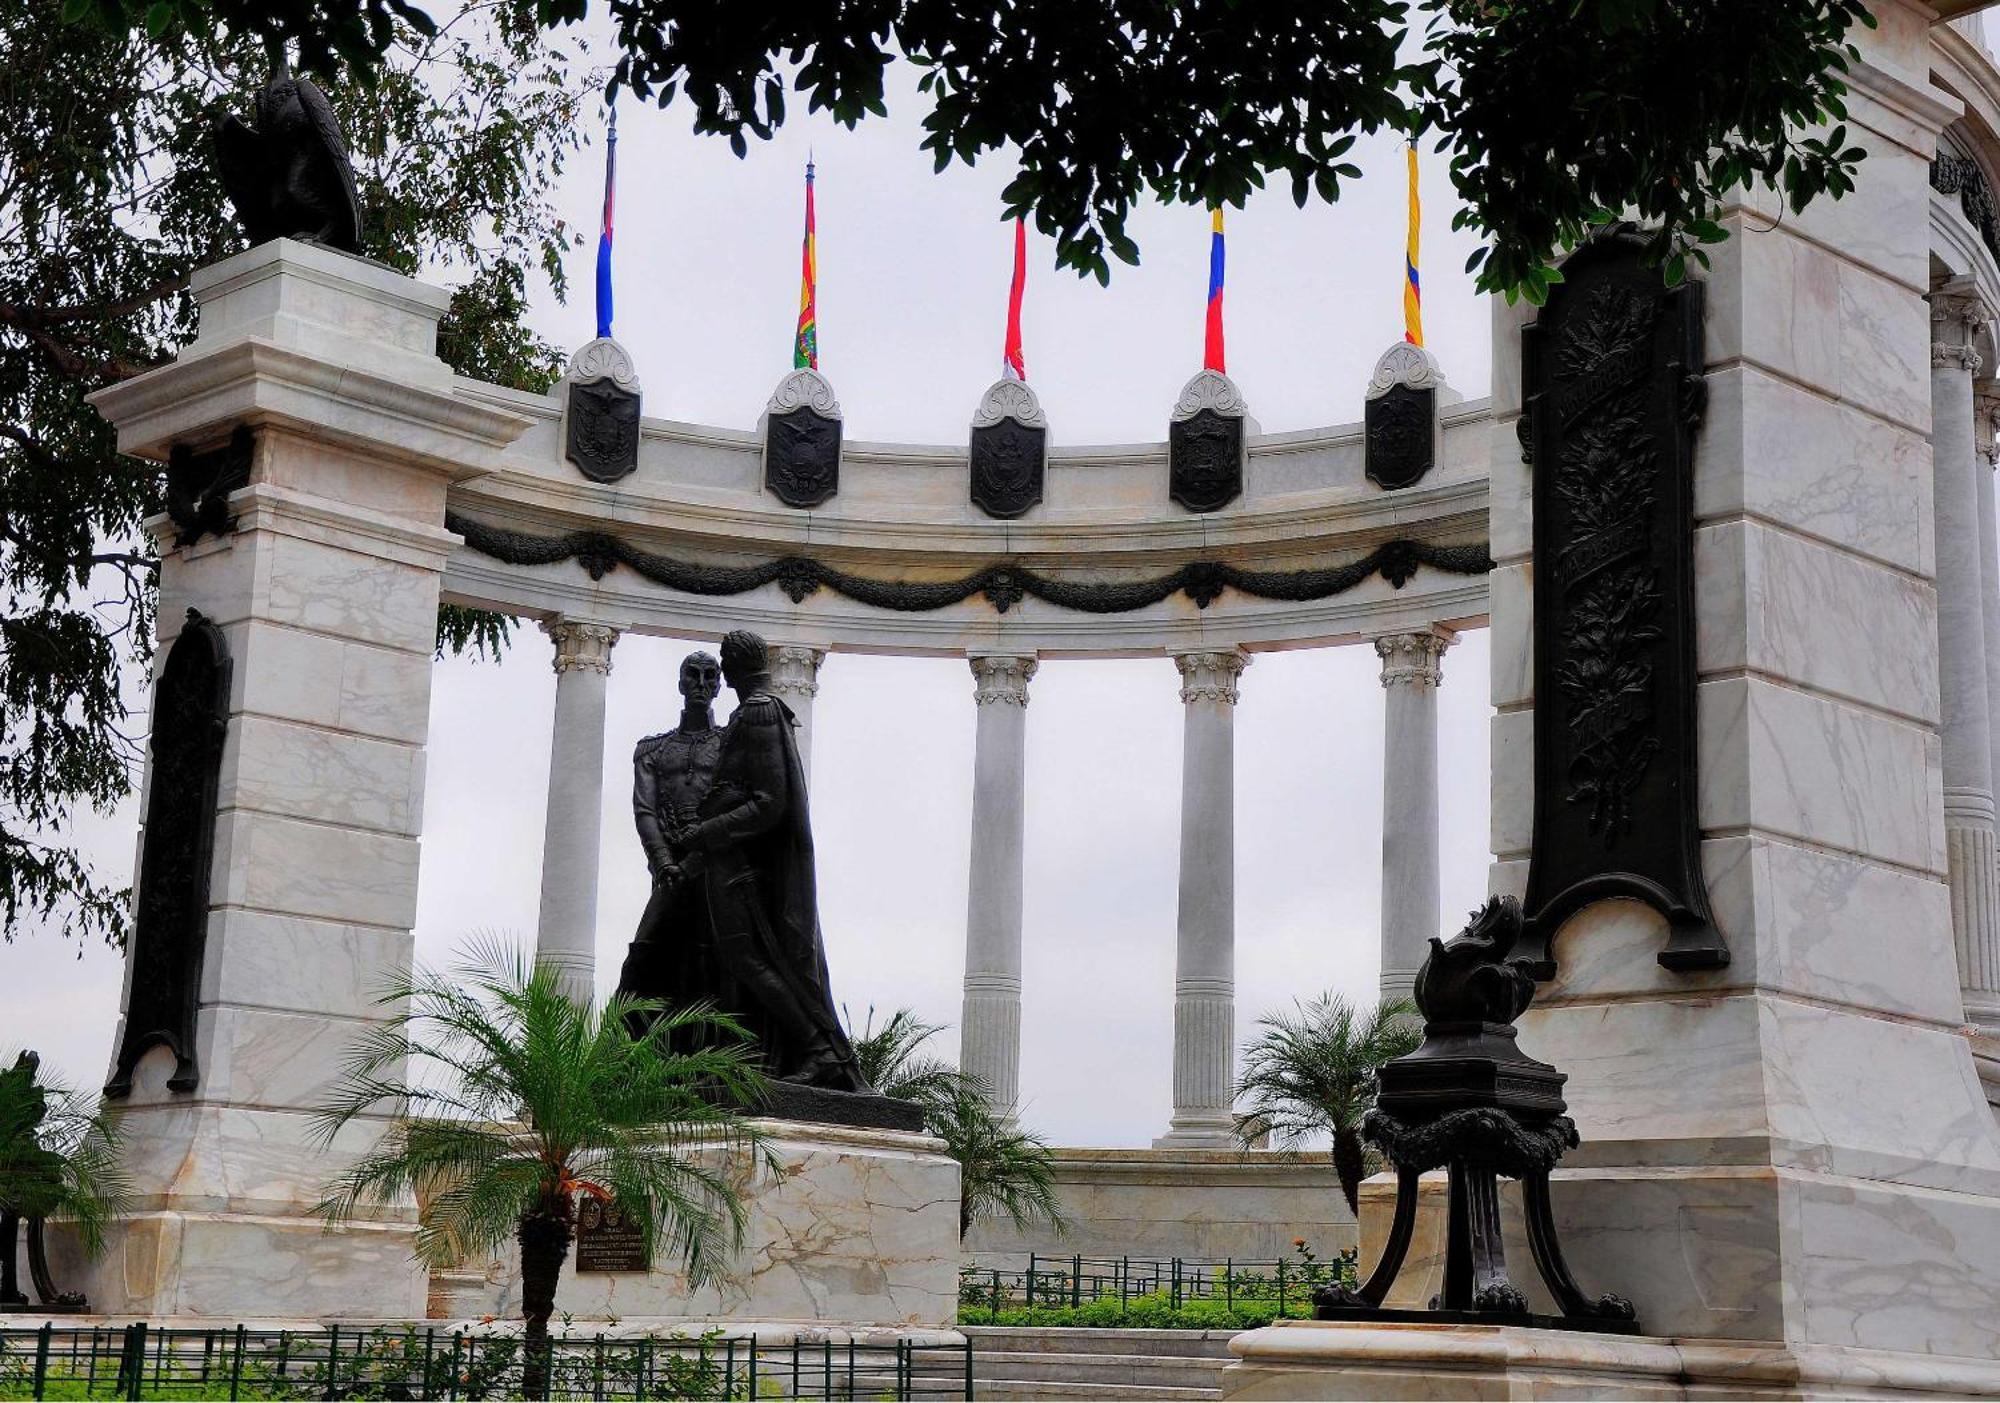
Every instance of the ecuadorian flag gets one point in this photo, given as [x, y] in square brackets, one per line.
[1211, 356]
[805, 342]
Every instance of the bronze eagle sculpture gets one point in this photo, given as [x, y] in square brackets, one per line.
[289, 176]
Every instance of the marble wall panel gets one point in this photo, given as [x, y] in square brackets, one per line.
[271, 1057]
[1512, 633]
[200, 1157]
[1774, 300]
[1802, 459]
[312, 869]
[313, 678]
[346, 593]
[1799, 766]
[855, 1228]
[1870, 225]
[1816, 924]
[1512, 795]
[337, 475]
[302, 771]
[268, 960]
[1804, 613]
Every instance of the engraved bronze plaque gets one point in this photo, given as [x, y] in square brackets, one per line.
[606, 1240]
[1612, 370]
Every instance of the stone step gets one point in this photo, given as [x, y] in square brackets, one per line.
[1139, 1370]
[1002, 1390]
[1044, 1339]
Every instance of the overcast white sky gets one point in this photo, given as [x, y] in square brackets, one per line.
[913, 275]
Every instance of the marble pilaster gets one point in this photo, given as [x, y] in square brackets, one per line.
[567, 928]
[1963, 677]
[990, 1025]
[326, 591]
[795, 680]
[1205, 944]
[1411, 673]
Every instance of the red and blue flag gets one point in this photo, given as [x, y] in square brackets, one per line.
[1212, 357]
[604, 236]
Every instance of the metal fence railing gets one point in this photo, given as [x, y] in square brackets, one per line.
[143, 1361]
[1284, 1286]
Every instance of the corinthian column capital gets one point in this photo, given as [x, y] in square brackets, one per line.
[1211, 674]
[581, 645]
[1001, 678]
[1413, 659]
[795, 669]
[1958, 314]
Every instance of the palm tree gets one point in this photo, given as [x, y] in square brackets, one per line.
[1312, 1072]
[513, 1097]
[58, 1159]
[1001, 1167]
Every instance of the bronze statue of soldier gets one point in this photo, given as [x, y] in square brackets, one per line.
[734, 916]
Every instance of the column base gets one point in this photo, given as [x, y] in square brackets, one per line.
[1200, 1130]
[1325, 1359]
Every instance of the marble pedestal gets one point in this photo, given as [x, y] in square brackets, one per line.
[1311, 1359]
[853, 1228]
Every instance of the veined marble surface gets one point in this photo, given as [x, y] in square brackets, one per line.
[855, 1227]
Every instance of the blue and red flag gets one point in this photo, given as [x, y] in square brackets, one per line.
[1211, 356]
[604, 236]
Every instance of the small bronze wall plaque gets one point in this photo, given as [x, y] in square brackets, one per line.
[606, 1240]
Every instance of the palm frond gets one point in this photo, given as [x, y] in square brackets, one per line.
[1310, 1071]
[502, 1093]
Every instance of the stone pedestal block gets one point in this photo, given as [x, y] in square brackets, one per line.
[853, 1227]
[326, 594]
[1312, 1359]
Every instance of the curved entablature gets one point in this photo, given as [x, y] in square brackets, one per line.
[693, 543]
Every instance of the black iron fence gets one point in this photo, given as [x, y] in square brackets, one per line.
[1284, 1286]
[142, 1361]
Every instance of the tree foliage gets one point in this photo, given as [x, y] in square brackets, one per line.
[1557, 116]
[1310, 1071]
[109, 199]
[59, 1155]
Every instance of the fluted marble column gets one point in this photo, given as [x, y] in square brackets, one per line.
[990, 1024]
[1962, 668]
[568, 926]
[1205, 948]
[795, 678]
[1411, 673]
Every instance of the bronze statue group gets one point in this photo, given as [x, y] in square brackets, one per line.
[734, 918]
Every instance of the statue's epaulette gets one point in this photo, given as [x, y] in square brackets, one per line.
[649, 745]
[763, 710]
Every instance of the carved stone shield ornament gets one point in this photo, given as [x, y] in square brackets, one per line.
[1400, 436]
[802, 440]
[802, 457]
[1205, 460]
[603, 430]
[1205, 443]
[170, 929]
[1007, 472]
[1008, 450]
[1612, 374]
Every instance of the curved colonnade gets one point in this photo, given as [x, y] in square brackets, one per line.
[900, 561]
